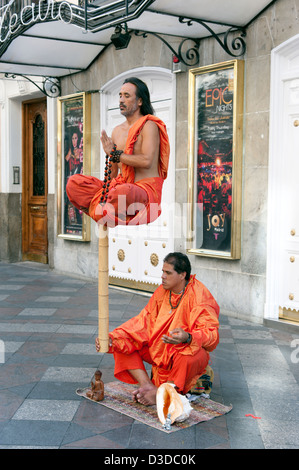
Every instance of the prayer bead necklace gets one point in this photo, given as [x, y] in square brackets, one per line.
[107, 180]
[176, 306]
[112, 158]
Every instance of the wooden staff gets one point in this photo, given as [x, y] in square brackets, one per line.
[103, 291]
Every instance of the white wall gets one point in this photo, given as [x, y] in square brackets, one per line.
[12, 93]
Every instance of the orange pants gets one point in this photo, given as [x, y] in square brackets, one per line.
[81, 189]
[183, 370]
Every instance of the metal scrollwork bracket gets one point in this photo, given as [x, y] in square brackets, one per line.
[51, 86]
[234, 47]
[190, 57]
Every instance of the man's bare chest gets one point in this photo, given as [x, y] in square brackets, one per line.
[121, 141]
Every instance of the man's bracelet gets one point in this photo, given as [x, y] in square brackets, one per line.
[188, 341]
[115, 155]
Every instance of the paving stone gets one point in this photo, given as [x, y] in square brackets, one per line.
[7, 287]
[80, 348]
[244, 433]
[38, 311]
[49, 410]
[54, 299]
[33, 433]
[68, 374]
[78, 329]
[143, 436]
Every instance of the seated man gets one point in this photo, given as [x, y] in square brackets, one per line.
[138, 149]
[174, 333]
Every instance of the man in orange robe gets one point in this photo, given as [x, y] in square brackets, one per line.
[174, 333]
[134, 195]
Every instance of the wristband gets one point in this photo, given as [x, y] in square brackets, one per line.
[188, 341]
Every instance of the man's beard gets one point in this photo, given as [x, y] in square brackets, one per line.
[128, 112]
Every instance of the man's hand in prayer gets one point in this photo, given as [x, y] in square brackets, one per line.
[107, 142]
[177, 336]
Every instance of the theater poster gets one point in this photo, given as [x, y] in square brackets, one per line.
[73, 158]
[215, 159]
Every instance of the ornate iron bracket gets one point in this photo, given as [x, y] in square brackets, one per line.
[191, 56]
[232, 44]
[234, 47]
[51, 86]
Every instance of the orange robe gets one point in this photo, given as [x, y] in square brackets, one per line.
[182, 364]
[152, 186]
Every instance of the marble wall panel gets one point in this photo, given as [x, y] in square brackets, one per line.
[10, 227]
[241, 295]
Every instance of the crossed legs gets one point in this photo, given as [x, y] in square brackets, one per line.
[130, 368]
[183, 371]
[123, 199]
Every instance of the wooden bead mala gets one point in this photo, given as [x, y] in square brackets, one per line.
[114, 157]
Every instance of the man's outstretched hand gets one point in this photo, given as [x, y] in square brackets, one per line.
[177, 336]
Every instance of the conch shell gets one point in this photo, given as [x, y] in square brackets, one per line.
[170, 402]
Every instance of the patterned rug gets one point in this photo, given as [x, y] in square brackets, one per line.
[118, 397]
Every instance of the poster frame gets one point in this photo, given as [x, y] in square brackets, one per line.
[234, 250]
[85, 117]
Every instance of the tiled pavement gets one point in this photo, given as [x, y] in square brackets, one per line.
[48, 325]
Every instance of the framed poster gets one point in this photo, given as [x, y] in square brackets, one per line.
[73, 158]
[215, 159]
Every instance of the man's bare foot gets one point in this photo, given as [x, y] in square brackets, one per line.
[146, 394]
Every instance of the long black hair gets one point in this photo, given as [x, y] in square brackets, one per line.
[180, 263]
[143, 93]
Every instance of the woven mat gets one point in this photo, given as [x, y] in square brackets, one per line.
[118, 397]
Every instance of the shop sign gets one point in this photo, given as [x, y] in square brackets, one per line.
[11, 21]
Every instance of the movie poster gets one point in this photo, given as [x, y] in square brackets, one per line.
[214, 95]
[72, 122]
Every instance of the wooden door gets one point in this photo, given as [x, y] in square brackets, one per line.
[35, 182]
